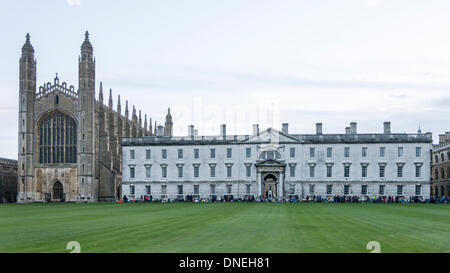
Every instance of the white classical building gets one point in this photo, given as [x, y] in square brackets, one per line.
[277, 164]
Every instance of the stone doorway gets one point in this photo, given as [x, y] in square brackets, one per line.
[58, 192]
[270, 186]
[119, 192]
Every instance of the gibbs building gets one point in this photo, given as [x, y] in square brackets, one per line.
[278, 164]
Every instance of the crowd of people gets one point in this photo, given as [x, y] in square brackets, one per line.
[366, 199]
[292, 199]
[189, 198]
[443, 199]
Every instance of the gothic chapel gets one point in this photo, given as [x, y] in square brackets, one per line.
[69, 142]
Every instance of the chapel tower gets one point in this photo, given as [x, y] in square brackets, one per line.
[27, 90]
[86, 117]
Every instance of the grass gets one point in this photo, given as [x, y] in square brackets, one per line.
[224, 227]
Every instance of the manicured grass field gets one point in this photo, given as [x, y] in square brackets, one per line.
[224, 227]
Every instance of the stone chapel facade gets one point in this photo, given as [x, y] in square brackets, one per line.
[69, 142]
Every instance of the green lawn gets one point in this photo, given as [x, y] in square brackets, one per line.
[224, 227]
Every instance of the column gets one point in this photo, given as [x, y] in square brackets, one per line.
[281, 186]
[258, 184]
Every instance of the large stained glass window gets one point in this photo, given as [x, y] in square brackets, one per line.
[57, 139]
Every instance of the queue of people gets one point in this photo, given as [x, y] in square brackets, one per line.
[364, 199]
[188, 198]
[291, 199]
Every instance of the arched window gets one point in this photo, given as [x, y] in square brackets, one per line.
[442, 157]
[270, 155]
[436, 159]
[57, 139]
[442, 173]
[448, 172]
[436, 174]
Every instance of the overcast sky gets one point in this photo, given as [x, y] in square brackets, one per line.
[244, 62]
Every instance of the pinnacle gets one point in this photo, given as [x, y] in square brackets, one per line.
[86, 45]
[27, 47]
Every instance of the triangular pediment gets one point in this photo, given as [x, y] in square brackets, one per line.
[271, 135]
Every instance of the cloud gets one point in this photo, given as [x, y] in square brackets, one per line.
[175, 79]
[441, 102]
[398, 96]
[72, 3]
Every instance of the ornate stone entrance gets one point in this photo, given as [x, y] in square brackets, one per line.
[270, 178]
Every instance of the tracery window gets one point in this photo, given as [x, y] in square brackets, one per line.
[57, 139]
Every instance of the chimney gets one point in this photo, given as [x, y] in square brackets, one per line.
[353, 128]
[447, 136]
[285, 128]
[441, 139]
[255, 129]
[191, 131]
[387, 127]
[160, 130]
[318, 128]
[347, 130]
[223, 131]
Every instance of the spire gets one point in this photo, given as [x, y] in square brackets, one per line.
[168, 125]
[86, 72]
[86, 46]
[119, 110]
[140, 117]
[127, 121]
[110, 102]
[150, 130]
[134, 118]
[27, 70]
[100, 95]
[155, 128]
[27, 47]
[145, 123]
[56, 80]
[134, 124]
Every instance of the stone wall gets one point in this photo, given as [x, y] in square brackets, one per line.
[440, 172]
[8, 180]
[45, 178]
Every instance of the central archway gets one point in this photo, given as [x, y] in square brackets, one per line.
[270, 186]
[58, 191]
